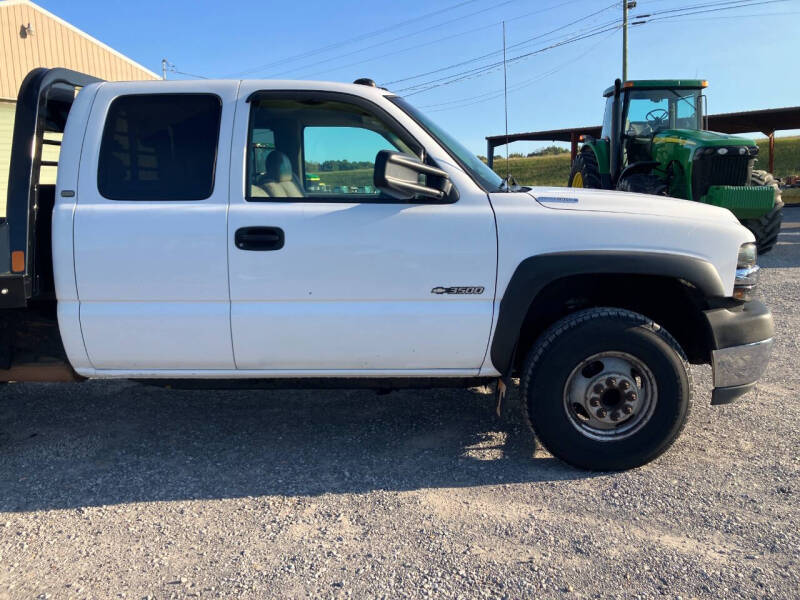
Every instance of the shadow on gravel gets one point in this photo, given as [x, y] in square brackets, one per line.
[98, 443]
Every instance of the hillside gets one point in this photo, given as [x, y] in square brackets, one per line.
[554, 170]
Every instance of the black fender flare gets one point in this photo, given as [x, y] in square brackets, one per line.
[533, 274]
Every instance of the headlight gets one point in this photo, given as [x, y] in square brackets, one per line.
[746, 272]
[748, 255]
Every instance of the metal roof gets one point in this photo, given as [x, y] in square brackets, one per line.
[764, 121]
[687, 84]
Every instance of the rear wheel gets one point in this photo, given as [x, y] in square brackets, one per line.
[642, 183]
[766, 228]
[606, 389]
[585, 173]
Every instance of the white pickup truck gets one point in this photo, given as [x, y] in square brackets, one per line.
[321, 232]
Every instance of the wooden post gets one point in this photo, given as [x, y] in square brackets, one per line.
[771, 151]
[573, 150]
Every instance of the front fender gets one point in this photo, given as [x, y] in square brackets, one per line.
[536, 272]
[601, 152]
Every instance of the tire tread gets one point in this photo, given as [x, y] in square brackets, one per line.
[546, 340]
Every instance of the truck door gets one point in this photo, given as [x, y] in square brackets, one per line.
[150, 233]
[329, 276]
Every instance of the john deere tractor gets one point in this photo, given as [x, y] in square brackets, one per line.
[653, 141]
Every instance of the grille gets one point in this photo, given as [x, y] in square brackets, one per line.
[720, 169]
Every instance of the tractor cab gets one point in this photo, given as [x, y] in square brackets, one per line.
[654, 141]
[650, 109]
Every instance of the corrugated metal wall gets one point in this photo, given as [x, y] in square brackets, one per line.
[53, 44]
[6, 128]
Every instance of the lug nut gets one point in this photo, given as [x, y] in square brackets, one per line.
[594, 401]
[615, 415]
[627, 409]
[632, 397]
[611, 382]
[624, 386]
[598, 388]
[602, 413]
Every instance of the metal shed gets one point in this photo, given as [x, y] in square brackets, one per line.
[766, 121]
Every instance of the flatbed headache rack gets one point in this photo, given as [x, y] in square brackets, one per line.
[31, 348]
[26, 266]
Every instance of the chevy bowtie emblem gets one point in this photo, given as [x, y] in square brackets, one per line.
[458, 290]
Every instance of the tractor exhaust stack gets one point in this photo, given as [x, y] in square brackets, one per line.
[615, 142]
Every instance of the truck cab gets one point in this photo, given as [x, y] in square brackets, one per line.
[328, 232]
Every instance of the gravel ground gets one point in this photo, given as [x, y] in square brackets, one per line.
[113, 489]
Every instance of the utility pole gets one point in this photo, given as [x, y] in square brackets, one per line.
[165, 65]
[505, 104]
[626, 4]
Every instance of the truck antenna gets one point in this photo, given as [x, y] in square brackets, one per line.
[505, 102]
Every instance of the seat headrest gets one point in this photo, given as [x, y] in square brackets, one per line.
[278, 167]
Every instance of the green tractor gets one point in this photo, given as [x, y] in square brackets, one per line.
[653, 141]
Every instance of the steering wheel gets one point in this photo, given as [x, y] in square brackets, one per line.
[657, 117]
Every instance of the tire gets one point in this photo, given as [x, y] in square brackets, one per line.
[767, 227]
[585, 173]
[563, 362]
[642, 183]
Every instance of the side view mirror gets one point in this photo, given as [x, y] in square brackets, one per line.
[399, 175]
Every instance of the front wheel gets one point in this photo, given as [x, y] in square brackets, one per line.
[606, 389]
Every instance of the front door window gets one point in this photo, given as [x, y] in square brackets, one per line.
[317, 149]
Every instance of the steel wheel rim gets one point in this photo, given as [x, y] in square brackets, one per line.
[610, 396]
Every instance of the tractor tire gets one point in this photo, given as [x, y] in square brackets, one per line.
[585, 173]
[642, 183]
[766, 228]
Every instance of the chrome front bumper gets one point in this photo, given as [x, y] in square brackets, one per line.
[743, 342]
[740, 365]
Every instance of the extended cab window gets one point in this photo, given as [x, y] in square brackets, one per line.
[325, 150]
[160, 147]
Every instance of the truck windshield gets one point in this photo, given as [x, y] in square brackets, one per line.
[480, 172]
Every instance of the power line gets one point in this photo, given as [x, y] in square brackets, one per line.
[168, 67]
[457, 104]
[768, 14]
[700, 6]
[352, 40]
[487, 96]
[485, 69]
[479, 71]
[490, 54]
[190, 74]
[395, 39]
[437, 40]
[717, 7]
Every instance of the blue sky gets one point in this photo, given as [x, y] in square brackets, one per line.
[746, 54]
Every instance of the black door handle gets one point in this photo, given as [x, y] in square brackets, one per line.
[259, 238]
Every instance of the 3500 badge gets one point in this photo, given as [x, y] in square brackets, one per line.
[458, 290]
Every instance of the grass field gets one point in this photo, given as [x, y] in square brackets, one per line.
[353, 177]
[554, 170]
[536, 170]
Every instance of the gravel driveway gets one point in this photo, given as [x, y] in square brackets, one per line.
[118, 490]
